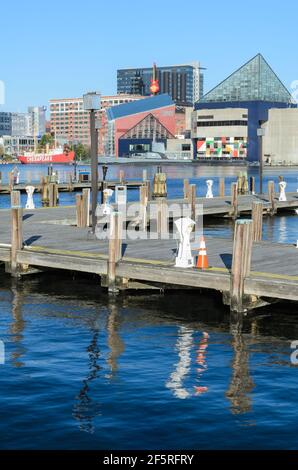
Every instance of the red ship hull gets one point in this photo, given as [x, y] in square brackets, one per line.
[47, 158]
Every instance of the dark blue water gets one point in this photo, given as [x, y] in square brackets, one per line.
[154, 371]
[86, 372]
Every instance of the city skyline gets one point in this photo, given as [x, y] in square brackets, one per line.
[91, 42]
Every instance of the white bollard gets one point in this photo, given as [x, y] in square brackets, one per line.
[282, 193]
[184, 258]
[209, 194]
[30, 203]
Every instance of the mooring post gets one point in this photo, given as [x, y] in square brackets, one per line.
[162, 216]
[143, 207]
[16, 238]
[271, 196]
[222, 187]
[15, 198]
[185, 188]
[234, 200]
[252, 185]
[121, 176]
[148, 189]
[113, 247]
[192, 201]
[241, 264]
[11, 180]
[257, 218]
[86, 206]
[0, 177]
[70, 183]
[79, 210]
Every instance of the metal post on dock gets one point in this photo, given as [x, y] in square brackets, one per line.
[16, 238]
[92, 103]
[257, 218]
[241, 263]
[222, 187]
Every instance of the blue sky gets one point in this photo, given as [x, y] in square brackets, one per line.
[63, 48]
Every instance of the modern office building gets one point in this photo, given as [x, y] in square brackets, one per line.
[70, 122]
[226, 120]
[5, 123]
[134, 127]
[184, 83]
[38, 118]
[21, 124]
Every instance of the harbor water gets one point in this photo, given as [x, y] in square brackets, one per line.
[164, 370]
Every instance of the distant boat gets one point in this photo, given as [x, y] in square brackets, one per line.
[56, 155]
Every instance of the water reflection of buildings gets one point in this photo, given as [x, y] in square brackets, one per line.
[17, 325]
[241, 385]
[184, 346]
[87, 408]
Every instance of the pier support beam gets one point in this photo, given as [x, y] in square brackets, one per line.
[241, 264]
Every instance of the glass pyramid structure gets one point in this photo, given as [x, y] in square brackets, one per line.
[254, 81]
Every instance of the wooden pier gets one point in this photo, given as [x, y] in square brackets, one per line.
[247, 273]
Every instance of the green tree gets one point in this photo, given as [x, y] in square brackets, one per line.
[46, 139]
[82, 152]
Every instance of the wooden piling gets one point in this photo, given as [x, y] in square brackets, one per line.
[53, 194]
[222, 187]
[70, 183]
[234, 200]
[83, 208]
[16, 238]
[241, 264]
[15, 198]
[86, 206]
[113, 247]
[79, 210]
[11, 180]
[143, 207]
[185, 188]
[271, 196]
[257, 218]
[162, 217]
[192, 201]
[252, 185]
[121, 176]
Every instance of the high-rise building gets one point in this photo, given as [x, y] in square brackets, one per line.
[71, 123]
[184, 83]
[38, 116]
[21, 124]
[5, 123]
[226, 119]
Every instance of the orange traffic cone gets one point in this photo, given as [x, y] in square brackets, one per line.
[202, 262]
